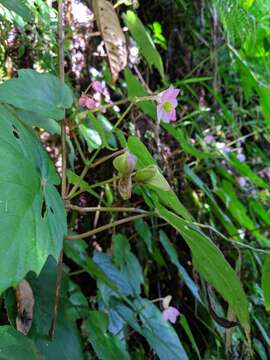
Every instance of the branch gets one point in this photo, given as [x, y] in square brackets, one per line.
[104, 209]
[61, 60]
[107, 226]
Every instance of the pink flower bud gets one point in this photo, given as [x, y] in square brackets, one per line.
[86, 101]
[126, 163]
[97, 86]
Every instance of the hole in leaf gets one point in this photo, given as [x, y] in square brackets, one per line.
[15, 132]
[51, 210]
[43, 209]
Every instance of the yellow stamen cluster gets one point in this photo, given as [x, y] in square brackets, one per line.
[167, 106]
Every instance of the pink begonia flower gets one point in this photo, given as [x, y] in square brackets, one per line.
[86, 101]
[171, 314]
[98, 86]
[167, 103]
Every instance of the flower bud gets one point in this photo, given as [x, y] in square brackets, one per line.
[151, 175]
[125, 163]
[146, 174]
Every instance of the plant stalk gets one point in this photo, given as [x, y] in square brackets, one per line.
[61, 59]
[107, 226]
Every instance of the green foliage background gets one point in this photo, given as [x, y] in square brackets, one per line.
[205, 241]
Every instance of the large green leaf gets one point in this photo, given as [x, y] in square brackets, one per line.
[77, 251]
[15, 346]
[143, 40]
[117, 277]
[211, 264]
[41, 93]
[144, 232]
[66, 343]
[159, 333]
[107, 347]
[33, 119]
[128, 262]
[32, 216]
[19, 7]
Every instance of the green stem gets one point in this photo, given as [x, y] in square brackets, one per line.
[101, 183]
[104, 209]
[122, 117]
[87, 166]
[135, 100]
[64, 163]
[107, 226]
[79, 148]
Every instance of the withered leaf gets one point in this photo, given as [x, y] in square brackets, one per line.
[113, 36]
[25, 304]
[125, 187]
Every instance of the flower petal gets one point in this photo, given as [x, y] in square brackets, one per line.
[171, 314]
[167, 117]
[90, 103]
[82, 100]
[167, 95]
[173, 115]
[160, 113]
[97, 86]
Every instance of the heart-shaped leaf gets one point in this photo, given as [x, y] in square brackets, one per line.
[44, 94]
[32, 216]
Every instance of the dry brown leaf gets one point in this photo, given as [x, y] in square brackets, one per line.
[113, 36]
[125, 187]
[25, 304]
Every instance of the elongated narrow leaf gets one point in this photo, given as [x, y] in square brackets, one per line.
[266, 282]
[184, 323]
[113, 36]
[135, 88]
[144, 41]
[144, 231]
[32, 216]
[225, 220]
[182, 271]
[44, 94]
[181, 137]
[211, 264]
[19, 7]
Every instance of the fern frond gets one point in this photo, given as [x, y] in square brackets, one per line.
[247, 26]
